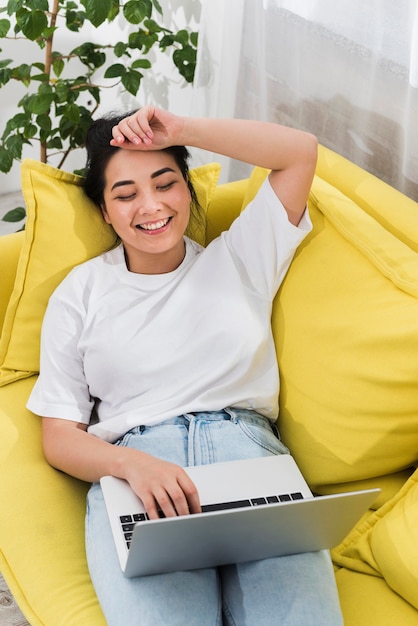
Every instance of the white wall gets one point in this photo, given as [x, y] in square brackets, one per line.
[164, 86]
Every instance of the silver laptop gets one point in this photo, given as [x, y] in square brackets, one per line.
[252, 509]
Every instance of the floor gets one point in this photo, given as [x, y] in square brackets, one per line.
[10, 615]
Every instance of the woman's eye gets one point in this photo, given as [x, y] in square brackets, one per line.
[166, 186]
[129, 197]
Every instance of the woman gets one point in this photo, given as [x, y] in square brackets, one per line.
[171, 345]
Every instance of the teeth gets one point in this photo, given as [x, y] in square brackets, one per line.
[154, 225]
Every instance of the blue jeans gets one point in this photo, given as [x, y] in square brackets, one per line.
[297, 590]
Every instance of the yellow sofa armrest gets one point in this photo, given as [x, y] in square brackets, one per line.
[42, 554]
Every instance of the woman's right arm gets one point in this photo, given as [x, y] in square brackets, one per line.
[160, 484]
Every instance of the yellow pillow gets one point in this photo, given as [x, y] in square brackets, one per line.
[63, 228]
[386, 543]
[345, 326]
[374, 196]
[394, 543]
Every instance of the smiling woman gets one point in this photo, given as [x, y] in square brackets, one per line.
[165, 339]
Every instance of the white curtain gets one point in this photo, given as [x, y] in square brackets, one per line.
[346, 70]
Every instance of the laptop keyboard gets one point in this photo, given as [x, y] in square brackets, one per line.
[128, 521]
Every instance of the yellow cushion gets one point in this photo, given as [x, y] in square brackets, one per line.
[345, 326]
[347, 344]
[368, 601]
[373, 195]
[63, 228]
[394, 542]
[385, 544]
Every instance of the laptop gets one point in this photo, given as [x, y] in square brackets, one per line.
[251, 509]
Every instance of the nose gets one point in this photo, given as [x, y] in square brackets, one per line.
[148, 204]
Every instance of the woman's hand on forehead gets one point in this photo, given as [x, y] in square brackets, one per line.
[147, 129]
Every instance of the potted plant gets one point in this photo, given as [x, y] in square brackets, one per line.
[60, 99]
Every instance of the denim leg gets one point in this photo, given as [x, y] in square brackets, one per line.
[288, 591]
[293, 590]
[177, 598]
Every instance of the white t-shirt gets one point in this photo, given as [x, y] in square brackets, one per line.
[141, 349]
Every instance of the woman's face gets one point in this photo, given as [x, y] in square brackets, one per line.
[147, 201]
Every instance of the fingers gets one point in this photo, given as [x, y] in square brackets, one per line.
[171, 492]
[134, 129]
[181, 498]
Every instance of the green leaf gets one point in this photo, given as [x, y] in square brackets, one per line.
[20, 120]
[152, 26]
[131, 80]
[182, 37]
[95, 93]
[22, 72]
[143, 63]
[57, 63]
[30, 131]
[55, 143]
[14, 145]
[90, 54]
[6, 160]
[81, 172]
[74, 20]
[5, 75]
[114, 11]
[15, 215]
[41, 103]
[32, 23]
[115, 71]
[44, 122]
[42, 5]
[120, 49]
[166, 41]
[185, 61]
[13, 6]
[157, 6]
[135, 11]
[39, 66]
[40, 77]
[97, 10]
[4, 27]
[72, 113]
[58, 67]
[62, 91]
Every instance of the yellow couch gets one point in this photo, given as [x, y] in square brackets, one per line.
[346, 331]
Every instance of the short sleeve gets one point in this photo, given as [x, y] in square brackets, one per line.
[263, 241]
[61, 390]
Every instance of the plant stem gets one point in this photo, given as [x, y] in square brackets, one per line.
[48, 63]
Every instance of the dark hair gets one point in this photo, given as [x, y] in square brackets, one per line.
[99, 152]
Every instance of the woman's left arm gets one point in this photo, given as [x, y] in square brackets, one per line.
[290, 153]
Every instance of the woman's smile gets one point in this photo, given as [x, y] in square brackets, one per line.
[154, 228]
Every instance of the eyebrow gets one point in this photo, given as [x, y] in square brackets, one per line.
[121, 183]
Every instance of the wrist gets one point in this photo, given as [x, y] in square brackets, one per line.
[125, 460]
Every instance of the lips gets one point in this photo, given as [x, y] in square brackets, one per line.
[153, 226]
